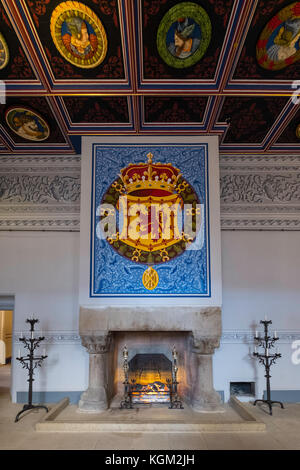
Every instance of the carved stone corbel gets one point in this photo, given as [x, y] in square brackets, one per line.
[204, 344]
[97, 344]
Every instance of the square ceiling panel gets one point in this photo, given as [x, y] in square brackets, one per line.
[16, 65]
[29, 124]
[175, 113]
[86, 115]
[266, 56]
[182, 43]
[81, 45]
[291, 133]
[250, 119]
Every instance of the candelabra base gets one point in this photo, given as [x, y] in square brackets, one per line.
[177, 404]
[126, 404]
[269, 403]
[29, 407]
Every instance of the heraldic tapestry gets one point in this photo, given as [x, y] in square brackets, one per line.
[150, 221]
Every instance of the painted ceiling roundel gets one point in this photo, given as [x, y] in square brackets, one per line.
[4, 52]
[78, 34]
[279, 43]
[27, 124]
[184, 35]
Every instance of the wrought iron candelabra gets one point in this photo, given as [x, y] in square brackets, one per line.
[31, 362]
[267, 342]
[175, 401]
[127, 402]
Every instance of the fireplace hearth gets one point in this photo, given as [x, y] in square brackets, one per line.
[149, 376]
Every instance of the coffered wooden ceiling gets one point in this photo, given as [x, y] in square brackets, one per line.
[134, 91]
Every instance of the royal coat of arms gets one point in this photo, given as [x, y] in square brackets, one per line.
[150, 215]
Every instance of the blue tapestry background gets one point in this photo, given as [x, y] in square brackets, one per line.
[111, 274]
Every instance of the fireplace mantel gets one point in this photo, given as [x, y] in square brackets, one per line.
[205, 321]
[201, 325]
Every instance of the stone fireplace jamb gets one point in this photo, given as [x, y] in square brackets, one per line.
[94, 399]
[205, 398]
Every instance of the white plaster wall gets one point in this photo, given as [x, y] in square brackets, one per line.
[233, 363]
[41, 270]
[261, 272]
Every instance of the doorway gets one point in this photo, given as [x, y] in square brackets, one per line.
[6, 340]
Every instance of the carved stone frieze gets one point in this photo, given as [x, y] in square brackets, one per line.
[260, 188]
[260, 192]
[39, 189]
[40, 193]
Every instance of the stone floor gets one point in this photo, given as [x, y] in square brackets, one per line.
[282, 432]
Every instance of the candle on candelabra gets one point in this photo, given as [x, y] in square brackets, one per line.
[255, 349]
[19, 353]
[21, 334]
[256, 334]
[267, 354]
[275, 334]
[32, 336]
[44, 352]
[266, 318]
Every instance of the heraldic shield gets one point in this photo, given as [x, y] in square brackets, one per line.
[149, 210]
[148, 223]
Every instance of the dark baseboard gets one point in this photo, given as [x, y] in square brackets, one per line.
[48, 397]
[286, 396]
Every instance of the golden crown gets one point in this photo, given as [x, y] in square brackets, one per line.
[150, 178]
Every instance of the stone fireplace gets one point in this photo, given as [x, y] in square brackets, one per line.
[150, 334]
